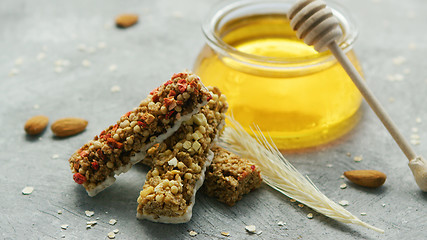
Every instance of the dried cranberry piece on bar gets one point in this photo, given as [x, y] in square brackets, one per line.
[125, 143]
[229, 177]
[179, 165]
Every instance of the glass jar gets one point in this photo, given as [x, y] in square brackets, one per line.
[300, 97]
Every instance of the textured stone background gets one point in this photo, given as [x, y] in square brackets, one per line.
[41, 72]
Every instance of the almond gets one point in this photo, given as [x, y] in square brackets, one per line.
[126, 20]
[36, 124]
[366, 178]
[68, 126]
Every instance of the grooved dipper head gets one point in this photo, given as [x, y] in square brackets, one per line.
[314, 23]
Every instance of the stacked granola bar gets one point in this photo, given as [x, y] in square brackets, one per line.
[121, 145]
[179, 165]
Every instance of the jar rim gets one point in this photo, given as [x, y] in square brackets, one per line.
[225, 8]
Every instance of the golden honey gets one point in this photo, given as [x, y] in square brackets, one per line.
[300, 97]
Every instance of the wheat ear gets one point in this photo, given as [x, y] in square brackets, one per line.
[279, 174]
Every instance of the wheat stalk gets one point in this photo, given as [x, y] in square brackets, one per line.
[279, 174]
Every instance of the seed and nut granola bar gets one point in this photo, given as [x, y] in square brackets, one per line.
[121, 145]
[179, 165]
[229, 177]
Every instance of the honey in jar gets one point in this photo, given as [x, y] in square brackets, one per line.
[300, 97]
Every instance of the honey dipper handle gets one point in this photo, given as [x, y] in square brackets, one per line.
[372, 100]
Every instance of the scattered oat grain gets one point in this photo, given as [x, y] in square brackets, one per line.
[407, 71]
[414, 130]
[363, 214]
[116, 231]
[358, 158]
[27, 190]
[90, 49]
[59, 211]
[19, 61]
[115, 88]
[64, 226]
[58, 69]
[292, 200]
[55, 156]
[329, 165]
[192, 233]
[342, 176]
[281, 223]
[383, 205]
[86, 63]
[112, 67]
[41, 56]
[177, 14]
[310, 215]
[348, 154]
[251, 229]
[415, 141]
[81, 47]
[415, 136]
[91, 223]
[102, 45]
[399, 60]
[112, 221]
[343, 186]
[13, 72]
[111, 235]
[343, 203]
[300, 205]
[89, 213]
[227, 234]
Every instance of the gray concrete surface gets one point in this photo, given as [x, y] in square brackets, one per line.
[34, 35]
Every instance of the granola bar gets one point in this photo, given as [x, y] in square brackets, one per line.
[229, 177]
[120, 146]
[179, 165]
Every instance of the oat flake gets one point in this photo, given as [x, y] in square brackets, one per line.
[116, 231]
[343, 203]
[91, 223]
[310, 215]
[64, 226]
[111, 235]
[343, 186]
[89, 213]
[86, 63]
[251, 228]
[112, 221]
[225, 234]
[192, 233]
[27, 190]
[115, 89]
[112, 68]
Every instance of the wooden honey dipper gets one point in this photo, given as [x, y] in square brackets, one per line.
[315, 23]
